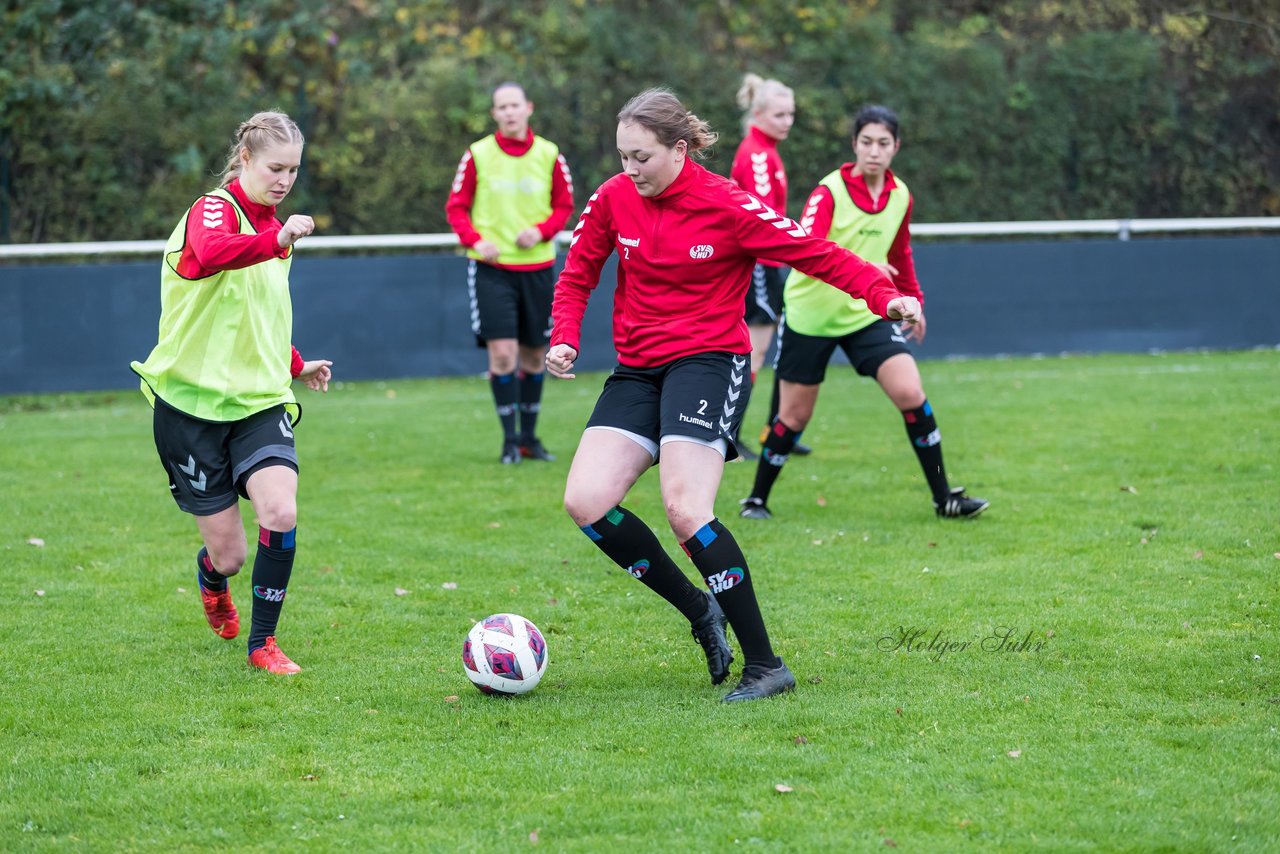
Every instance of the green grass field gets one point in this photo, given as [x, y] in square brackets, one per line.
[1133, 536]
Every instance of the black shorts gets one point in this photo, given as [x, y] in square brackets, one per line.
[209, 462]
[803, 358]
[510, 303]
[764, 297]
[697, 396]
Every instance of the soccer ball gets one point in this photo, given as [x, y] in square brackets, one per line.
[504, 654]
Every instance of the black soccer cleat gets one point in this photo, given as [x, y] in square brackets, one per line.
[708, 631]
[534, 451]
[753, 508]
[960, 506]
[510, 454]
[801, 450]
[759, 682]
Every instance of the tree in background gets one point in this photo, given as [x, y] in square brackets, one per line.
[112, 114]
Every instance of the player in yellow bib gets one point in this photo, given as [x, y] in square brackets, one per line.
[220, 377]
[510, 196]
[863, 207]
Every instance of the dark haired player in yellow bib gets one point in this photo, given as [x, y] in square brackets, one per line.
[220, 378]
[863, 207]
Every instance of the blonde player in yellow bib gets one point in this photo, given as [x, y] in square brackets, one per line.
[863, 207]
[220, 378]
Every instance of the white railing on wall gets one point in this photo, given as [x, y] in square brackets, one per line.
[1123, 229]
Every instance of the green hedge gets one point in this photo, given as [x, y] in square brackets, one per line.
[113, 116]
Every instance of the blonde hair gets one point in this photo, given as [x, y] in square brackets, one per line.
[260, 131]
[661, 113]
[755, 92]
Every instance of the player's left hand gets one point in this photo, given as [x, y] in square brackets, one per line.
[560, 359]
[886, 268]
[915, 332]
[529, 237]
[316, 374]
[906, 309]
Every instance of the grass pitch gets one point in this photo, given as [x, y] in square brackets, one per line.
[1092, 665]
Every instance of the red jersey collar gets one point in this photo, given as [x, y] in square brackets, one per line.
[858, 191]
[514, 147]
[761, 138]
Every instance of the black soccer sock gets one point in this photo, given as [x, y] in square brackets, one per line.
[210, 578]
[716, 555]
[530, 405]
[922, 429]
[773, 456]
[506, 396]
[271, 570]
[629, 543]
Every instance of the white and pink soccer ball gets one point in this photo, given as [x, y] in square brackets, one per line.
[504, 654]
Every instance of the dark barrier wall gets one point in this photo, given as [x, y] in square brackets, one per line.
[76, 327]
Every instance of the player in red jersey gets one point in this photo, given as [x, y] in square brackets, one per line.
[686, 241]
[757, 168]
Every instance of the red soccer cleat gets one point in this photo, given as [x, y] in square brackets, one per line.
[272, 659]
[220, 612]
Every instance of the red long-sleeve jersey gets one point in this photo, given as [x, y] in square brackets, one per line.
[462, 194]
[757, 168]
[820, 208]
[684, 264]
[214, 242]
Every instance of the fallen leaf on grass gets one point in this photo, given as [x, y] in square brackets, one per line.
[783, 788]
[449, 585]
[400, 591]
[890, 843]
[182, 590]
[452, 698]
[1132, 489]
[35, 541]
[800, 739]
[494, 525]
[1200, 554]
[308, 777]
[822, 502]
[1014, 754]
[533, 836]
[39, 592]
[899, 711]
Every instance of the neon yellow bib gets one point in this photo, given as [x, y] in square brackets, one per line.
[513, 193]
[224, 347]
[815, 308]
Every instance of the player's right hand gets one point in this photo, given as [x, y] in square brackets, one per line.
[560, 359]
[295, 227]
[906, 309]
